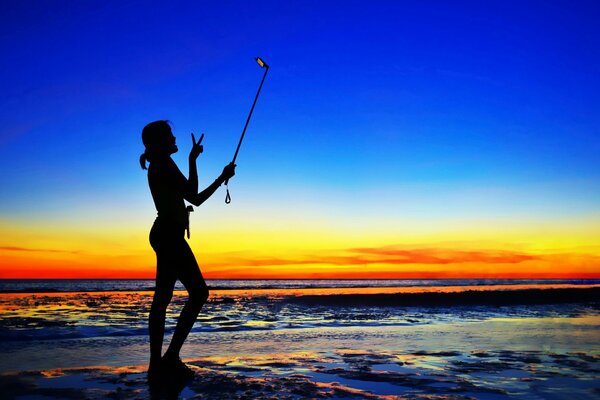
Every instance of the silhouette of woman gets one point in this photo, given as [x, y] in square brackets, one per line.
[174, 258]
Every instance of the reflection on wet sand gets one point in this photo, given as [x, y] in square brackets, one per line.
[344, 373]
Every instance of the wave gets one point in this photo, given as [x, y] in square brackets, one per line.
[468, 297]
[60, 317]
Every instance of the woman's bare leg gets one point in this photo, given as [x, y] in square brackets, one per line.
[190, 276]
[165, 282]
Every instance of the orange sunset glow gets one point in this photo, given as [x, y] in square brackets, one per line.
[264, 255]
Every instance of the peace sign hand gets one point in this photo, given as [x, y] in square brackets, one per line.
[197, 148]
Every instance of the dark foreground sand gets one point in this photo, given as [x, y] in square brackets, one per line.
[351, 374]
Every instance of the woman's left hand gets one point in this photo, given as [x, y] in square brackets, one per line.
[197, 148]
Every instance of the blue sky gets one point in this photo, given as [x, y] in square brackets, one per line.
[361, 97]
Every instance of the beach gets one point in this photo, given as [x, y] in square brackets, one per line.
[479, 341]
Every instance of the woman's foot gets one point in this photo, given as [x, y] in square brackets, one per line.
[154, 372]
[175, 367]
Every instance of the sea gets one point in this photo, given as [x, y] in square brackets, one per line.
[79, 322]
[109, 285]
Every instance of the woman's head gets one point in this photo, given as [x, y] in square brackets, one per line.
[158, 140]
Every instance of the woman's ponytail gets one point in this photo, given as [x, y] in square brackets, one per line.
[155, 136]
[143, 159]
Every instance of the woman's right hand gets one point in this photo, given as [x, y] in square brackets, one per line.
[197, 148]
[228, 171]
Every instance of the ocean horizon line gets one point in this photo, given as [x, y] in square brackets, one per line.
[321, 279]
[8, 286]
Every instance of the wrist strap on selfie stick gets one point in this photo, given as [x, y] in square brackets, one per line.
[266, 67]
[227, 196]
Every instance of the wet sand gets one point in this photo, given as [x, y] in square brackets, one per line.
[339, 344]
[338, 374]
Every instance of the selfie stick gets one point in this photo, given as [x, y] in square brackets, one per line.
[266, 67]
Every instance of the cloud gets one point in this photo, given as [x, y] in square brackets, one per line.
[396, 255]
[386, 255]
[34, 250]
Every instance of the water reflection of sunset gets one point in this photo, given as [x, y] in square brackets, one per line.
[69, 297]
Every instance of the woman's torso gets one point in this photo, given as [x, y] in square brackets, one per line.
[165, 181]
